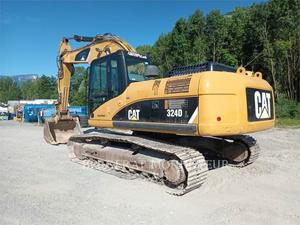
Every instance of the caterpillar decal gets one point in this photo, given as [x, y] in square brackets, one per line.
[260, 104]
[134, 114]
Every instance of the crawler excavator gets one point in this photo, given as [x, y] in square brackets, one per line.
[159, 128]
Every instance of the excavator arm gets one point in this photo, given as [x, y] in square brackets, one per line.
[60, 128]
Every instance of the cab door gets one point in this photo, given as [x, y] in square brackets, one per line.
[98, 84]
[106, 80]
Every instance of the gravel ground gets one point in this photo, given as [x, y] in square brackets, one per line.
[40, 185]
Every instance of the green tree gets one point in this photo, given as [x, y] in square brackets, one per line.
[144, 50]
[29, 90]
[237, 35]
[196, 37]
[46, 87]
[78, 87]
[275, 44]
[9, 90]
[217, 38]
[285, 39]
[161, 53]
[179, 46]
[43, 87]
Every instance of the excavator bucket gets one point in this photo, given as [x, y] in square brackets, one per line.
[59, 131]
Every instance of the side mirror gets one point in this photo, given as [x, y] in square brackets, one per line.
[152, 71]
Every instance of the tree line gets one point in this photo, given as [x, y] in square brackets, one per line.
[263, 37]
[44, 87]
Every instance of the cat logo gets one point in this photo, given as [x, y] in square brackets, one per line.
[134, 114]
[262, 101]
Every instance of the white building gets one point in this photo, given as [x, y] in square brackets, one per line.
[38, 101]
[3, 109]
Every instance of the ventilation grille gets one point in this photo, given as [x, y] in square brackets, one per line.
[207, 66]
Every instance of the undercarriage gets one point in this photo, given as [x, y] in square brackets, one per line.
[178, 163]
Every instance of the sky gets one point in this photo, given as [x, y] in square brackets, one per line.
[30, 31]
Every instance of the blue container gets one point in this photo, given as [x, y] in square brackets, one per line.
[31, 111]
[49, 113]
[80, 111]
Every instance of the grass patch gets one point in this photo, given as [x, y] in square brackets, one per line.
[287, 122]
[287, 113]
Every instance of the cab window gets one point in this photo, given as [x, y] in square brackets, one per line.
[135, 69]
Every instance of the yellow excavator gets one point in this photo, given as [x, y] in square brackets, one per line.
[160, 129]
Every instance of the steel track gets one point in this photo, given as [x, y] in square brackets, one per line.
[253, 148]
[192, 160]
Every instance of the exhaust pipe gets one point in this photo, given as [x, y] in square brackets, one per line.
[59, 131]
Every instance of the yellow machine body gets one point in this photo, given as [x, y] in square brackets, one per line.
[222, 102]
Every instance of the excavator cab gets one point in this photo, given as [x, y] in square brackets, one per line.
[110, 75]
